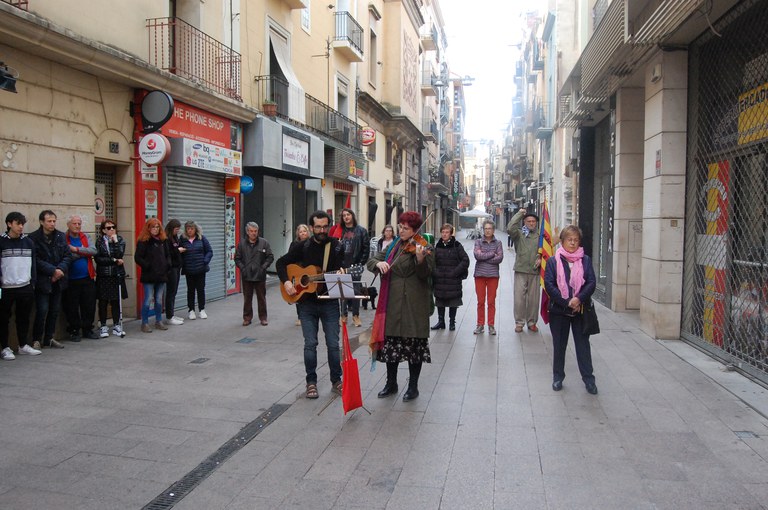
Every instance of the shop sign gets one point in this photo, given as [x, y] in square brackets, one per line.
[295, 152]
[456, 188]
[368, 136]
[195, 124]
[204, 156]
[154, 148]
[246, 184]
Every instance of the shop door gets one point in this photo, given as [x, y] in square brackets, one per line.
[198, 196]
[278, 220]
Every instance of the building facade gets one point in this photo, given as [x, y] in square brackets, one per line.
[658, 155]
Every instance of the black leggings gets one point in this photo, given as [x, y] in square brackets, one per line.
[196, 284]
[115, 304]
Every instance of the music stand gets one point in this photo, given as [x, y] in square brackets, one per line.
[341, 286]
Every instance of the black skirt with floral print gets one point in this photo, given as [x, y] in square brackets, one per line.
[398, 348]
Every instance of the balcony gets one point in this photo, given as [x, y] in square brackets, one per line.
[543, 121]
[181, 49]
[429, 128]
[349, 37]
[324, 119]
[275, 89]
[297, 4]
[439, 182]
[428, 38]
[428, 80]
[21, 4]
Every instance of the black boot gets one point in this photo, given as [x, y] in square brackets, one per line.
[440, 318]
[412, 392]
[452, 317]
[390, 388]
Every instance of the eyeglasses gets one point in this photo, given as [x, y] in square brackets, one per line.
[321, 227]
[154, 226]
[109, 227]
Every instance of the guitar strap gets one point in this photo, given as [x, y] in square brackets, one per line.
[326, 256]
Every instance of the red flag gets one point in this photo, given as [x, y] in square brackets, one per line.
[546, 250]
[348, 203]
[351, 394]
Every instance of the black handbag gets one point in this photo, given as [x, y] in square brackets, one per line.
[590, 324]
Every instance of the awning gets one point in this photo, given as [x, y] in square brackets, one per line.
[360, 180]
[296, 100]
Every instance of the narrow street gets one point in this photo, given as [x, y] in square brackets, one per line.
[114, 423]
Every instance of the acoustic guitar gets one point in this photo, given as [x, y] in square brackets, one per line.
[305, 279]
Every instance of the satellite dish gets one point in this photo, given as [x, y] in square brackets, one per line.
[156, 110]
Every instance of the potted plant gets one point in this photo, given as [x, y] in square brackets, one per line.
[269, 108]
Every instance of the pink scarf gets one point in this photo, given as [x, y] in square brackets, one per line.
[577, 271]
[376, 343]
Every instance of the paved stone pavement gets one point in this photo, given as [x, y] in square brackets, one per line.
[114, 423]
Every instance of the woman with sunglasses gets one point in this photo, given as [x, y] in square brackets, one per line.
[110, 276]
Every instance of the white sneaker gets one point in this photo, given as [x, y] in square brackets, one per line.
[29, 350]
[203, 315]
[117, 330]
[7, 354]
[192, 315]
[175, 321]
[103, 332]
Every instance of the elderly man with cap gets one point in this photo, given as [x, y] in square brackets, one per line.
[525, 239]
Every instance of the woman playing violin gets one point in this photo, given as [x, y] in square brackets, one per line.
[401, 326]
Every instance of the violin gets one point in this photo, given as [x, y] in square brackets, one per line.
[417, 240]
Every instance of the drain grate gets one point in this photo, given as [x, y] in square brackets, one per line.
[745, 434]
[199, 361]
[178, 490]
[246, 340]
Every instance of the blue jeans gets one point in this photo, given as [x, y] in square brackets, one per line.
[151, 290]
[311, 313]
[47, 308]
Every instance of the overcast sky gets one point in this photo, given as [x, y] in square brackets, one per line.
[480, 38]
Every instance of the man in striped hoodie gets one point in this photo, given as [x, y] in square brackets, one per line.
[17, 284]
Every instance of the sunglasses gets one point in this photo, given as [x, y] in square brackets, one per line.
[112, 227]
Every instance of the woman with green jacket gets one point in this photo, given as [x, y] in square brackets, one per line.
[401, 326]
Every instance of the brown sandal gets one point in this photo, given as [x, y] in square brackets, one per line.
[312, 391]
[337, 386]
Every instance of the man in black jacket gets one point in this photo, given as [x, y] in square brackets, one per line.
[324, 252]
[53, 258]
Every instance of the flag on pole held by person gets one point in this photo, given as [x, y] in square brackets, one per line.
[546, 250]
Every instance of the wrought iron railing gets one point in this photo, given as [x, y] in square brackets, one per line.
[270, 88]
[349, 30]
[324, 119]
[21, 4]
[179, 48]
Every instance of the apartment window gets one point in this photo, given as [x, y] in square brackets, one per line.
[388, 154]
[373, 62]
[306, 19]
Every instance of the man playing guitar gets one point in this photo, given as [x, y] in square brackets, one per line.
[324, 252]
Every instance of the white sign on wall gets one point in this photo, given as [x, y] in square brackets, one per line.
[295, 152]
[205, 156]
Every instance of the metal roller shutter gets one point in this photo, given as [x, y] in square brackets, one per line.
[199, 196]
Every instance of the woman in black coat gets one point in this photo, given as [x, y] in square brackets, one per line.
[570, 281]
[154, 259]
[451, 268]
[110, 276]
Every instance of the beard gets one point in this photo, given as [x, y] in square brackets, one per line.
[321, 237]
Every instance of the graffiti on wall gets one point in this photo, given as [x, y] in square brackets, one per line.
[410, 72]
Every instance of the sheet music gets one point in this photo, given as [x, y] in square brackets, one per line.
[340, 286]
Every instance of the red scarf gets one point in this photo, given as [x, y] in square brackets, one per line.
[380, 319]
